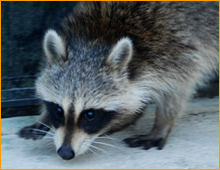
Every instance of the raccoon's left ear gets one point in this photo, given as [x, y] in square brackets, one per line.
[54, 47]
[121, 55]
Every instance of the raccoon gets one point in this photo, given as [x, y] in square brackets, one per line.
[108, 60]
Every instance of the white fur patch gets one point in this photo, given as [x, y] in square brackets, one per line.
[130, 100]
[79, 106]
[59, 137]
[81, 141]
[66, 105]
[45, 94]
[52, 39]
[121, 54]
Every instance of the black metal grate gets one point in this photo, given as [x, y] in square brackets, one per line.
[23, 26]
[20, 96]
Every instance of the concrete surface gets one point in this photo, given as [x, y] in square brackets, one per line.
[193, 143]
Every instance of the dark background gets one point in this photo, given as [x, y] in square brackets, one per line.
[23, 27]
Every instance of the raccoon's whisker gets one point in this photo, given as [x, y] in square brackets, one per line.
[50, 145]
[98, 148]
[101, 143]
[46, 132]
[92, 151]
[108, 137]
[50, 137]
[111, 137]
[113, 140]
[47, 126]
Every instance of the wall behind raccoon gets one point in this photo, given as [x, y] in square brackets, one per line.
[23, 28]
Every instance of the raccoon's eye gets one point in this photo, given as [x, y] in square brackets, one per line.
[93, 120]
[56, 113]
[59, 110]
[90, 115]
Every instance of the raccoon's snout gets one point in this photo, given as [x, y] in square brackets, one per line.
[66, 152]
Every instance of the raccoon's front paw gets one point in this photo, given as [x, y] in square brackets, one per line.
[145, 141]
[33, 132]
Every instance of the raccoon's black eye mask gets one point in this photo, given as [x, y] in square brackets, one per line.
[56, 113]
[91, 120]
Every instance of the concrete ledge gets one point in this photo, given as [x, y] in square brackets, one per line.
[193, 143]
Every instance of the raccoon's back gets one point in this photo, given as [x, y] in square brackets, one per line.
[160, 31]
[151, 25]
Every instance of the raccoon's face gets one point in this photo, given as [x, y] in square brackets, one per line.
[86, 94]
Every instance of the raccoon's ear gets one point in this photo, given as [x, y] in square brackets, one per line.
[54, 47]
[121, 54]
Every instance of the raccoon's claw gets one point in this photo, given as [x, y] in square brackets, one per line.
[145, 141]
[33, 132]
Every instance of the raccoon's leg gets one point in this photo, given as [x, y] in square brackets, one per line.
[37, 130]
[166, 113]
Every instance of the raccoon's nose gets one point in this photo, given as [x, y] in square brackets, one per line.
[66, 152]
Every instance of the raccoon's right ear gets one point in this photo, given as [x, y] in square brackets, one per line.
[54, 47]
[121, 55]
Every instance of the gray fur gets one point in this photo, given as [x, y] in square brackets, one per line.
[174, 46]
